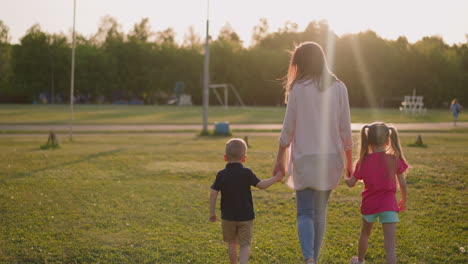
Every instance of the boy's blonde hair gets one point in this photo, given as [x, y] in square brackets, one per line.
[236, 148]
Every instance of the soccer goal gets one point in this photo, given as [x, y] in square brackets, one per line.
[226, 87]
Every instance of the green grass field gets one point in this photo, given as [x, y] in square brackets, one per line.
[144, 199]
[137, 114]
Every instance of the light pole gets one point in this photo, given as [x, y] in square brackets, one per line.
[206, 73]
[72, 81]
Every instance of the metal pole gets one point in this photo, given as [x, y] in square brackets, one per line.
[225, 97]
[72, 82]
[52, 96]
[206, 73]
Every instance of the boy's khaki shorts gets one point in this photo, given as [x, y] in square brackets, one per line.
[240, 231]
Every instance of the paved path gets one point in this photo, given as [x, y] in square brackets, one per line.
[150, 128]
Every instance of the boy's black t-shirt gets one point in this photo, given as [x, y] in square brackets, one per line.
[236, 199]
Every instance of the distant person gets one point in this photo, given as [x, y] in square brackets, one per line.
[380, 165]
[237, 212]
[456, 108]
[317, 132]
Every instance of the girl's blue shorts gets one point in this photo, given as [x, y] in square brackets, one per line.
[385, 217]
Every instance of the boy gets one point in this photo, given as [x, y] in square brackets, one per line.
[237, 210]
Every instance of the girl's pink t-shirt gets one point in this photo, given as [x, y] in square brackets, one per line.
[378, 171]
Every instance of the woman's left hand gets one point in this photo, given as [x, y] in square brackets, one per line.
[279, 168]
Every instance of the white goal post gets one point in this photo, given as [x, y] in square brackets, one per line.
[226, 87]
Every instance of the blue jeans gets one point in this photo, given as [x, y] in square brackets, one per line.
[311, 218]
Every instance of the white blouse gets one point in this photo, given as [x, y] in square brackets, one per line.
[318, 125]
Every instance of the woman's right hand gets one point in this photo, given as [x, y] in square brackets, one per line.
[349, 162]
[349, 171]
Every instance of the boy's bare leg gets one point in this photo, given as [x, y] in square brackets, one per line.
[244, 254]
[364, 239]
[389, 231]
[232, 248]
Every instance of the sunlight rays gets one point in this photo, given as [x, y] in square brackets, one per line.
[364, 75]
[326, 111]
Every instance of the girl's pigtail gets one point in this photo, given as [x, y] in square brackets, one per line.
[395, 143]
[364, 145]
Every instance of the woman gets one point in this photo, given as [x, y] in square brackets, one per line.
[317, 128]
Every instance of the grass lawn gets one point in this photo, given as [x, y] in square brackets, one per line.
[144, 199]
[138, 114]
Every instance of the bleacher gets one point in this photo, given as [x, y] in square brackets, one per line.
[413, 104]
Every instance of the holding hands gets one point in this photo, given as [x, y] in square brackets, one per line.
[349, 170]
[349, 179]
[279, 168]
[279, 171]
[279, 165]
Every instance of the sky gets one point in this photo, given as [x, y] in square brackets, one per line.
[388, 18]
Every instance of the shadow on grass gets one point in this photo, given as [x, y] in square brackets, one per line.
[181, 142]
[212, 135]
[88, 157]
[116, 115]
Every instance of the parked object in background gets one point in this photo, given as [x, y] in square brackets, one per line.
[222, 128]
[178, 96]
[185, 99]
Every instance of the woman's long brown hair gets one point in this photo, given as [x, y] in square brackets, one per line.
[307, 62]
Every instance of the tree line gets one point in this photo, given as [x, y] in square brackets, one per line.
[143, 65]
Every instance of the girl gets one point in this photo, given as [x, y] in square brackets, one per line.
[317, 133]
[455, 107]
[380, 164]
